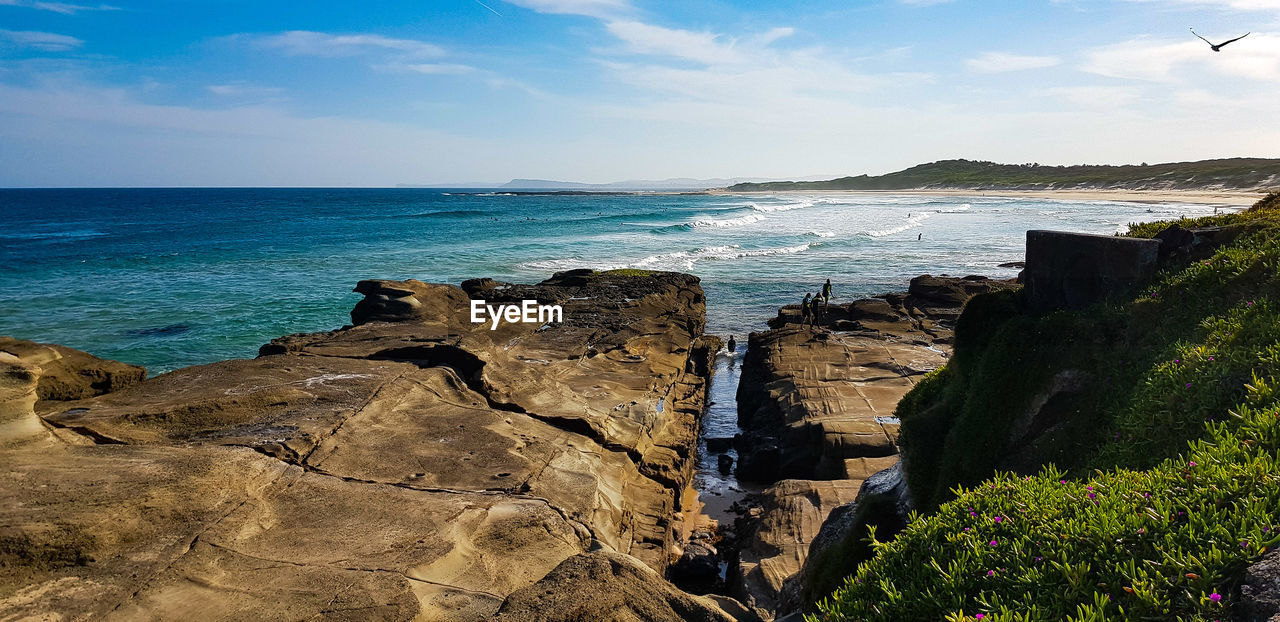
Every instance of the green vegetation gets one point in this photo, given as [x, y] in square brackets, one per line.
[1154, 482]
[635, 272]
[1234, 173]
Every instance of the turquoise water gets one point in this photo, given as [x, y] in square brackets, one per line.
[173, 277]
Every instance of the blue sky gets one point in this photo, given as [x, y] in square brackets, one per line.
[338, 93]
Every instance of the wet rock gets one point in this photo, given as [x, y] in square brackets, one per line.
[719, 445]
[698, 569]
[69, 374]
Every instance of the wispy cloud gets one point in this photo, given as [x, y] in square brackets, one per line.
[590, 8]
[1241, 5]
[44, 41]
[998, 62]
[701, 47]
[242, 90]
[58, 7]
[451, 69]
[1180, 61]
[311, 43]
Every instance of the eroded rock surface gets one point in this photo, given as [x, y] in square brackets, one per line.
[412, 466]
[69, 374]
[607, 587]
[818, 404]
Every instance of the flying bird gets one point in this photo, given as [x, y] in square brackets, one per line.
[1218, 47]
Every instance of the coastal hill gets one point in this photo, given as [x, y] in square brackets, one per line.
[1224, 174]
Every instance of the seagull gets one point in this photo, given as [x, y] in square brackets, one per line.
[1218, 48]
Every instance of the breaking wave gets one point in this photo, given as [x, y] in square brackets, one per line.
[679, 260]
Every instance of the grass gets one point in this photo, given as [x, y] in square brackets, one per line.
[1157, 483]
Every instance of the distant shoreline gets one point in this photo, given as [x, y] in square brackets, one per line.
[1205, 197]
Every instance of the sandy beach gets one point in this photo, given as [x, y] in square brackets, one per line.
[1205, 197]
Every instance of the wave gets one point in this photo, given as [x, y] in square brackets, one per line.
[913, 222]
[453, 213]
[712, 223]
[786, 207]
[822, 234]
[959, 209]
[679, 260]
[79, 234]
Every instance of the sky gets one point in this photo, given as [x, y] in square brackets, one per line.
[442, 92]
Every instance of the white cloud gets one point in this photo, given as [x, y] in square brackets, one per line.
[58, 7]
[452, 69]
[923, 2]
[701, 47]
[1184, 61]
[44, 41]
[997, 62]
[310, 43]
[242, 90]
[1094, 97]
[1242, 5]
[591, 8]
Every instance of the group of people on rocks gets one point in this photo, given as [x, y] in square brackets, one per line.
[814, 307]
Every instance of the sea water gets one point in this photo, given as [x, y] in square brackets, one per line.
[173, 277]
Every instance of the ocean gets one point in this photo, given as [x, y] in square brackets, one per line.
[172, 277]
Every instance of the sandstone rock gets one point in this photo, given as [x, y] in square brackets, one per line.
[698, 569]
[883, 501]
[69, 374]
[1074, 270]
[19, 424]
[398, 301]
[778, 543]
[807, 406]
[415, 466]
[606, 587]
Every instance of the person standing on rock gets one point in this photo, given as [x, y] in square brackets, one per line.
[826, 295]
[733, 345]
[806, 310]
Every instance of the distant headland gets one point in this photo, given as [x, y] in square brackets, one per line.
[1231, 174]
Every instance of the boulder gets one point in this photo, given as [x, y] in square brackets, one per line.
[69, 374]
[1260, 591]
[1074, 270]
[606, 587]
[883, 501]
[399, 301]
[777, 542]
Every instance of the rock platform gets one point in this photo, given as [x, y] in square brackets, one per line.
[412, 465]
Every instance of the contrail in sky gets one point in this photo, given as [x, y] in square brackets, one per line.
[488, 7]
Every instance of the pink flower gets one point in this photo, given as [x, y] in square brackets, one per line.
[1215, 596]
[999, 519]
[991, 573]
[1192, 463]
[994, 543]
[979, 616]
